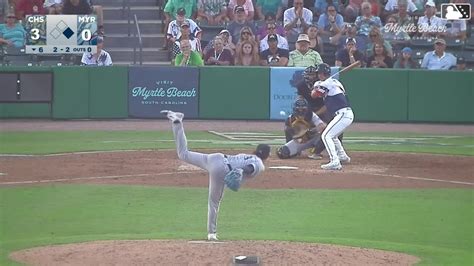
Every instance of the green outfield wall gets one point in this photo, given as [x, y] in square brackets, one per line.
[244, 93]
[234, 93]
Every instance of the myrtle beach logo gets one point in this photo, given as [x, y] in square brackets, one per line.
[159, 91]
[412, 28]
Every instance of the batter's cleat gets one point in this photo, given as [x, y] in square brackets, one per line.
[334, 165]
[345, 159]
[316, 156]
[212, 237]
[176, 117]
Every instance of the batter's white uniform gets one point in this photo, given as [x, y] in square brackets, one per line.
[336, 103]
[218, 165]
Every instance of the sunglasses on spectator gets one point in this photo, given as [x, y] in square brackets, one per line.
[271, 28]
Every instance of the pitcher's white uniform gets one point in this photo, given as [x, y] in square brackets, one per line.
[336, 103]
[218, 165]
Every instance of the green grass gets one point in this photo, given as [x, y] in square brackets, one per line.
[75, 141]
[436, 225]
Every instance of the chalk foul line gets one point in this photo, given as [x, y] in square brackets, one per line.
[88, 178]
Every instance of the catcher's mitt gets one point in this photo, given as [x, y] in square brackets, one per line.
[233, 179]
[302, 130]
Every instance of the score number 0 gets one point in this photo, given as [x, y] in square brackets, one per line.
[85, 34]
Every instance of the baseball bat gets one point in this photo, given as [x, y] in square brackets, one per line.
[347, 68]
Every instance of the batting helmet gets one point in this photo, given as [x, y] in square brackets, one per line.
[310, 74]
[324, 69]
[262, 151]
[300, 107]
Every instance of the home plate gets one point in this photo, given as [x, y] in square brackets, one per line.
[283, 167]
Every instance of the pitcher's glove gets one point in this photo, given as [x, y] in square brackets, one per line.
[233, 179]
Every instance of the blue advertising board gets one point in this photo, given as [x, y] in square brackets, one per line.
[152, 89]
[283, 82]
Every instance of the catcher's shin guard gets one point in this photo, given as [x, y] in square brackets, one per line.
[283, 152]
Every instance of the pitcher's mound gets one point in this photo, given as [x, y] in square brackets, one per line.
[183, 252]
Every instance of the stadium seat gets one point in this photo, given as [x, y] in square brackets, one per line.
[454, 44]
[469, 44]
[418, 54]
[467, 55]
[422, 42]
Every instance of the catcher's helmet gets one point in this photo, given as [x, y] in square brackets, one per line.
[310, 74]
[300, 107]
[263, 151]
[324, 68]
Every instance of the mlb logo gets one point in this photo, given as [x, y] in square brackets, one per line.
[456, 11]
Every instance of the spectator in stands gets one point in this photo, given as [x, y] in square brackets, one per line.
[29, 7]
[460, 64]
[438, 59]
[316, 43]
[12, 33]
[194, 42]
[274, 56]
[405, 61]
[218, 55]
[321, 6]
[247, 54]
[330, 23]
[430, 25]
[246, 34]
[226, 38]
[271, 29]
[263, 30]
[456, 29]
[172, 6]
[296, 19]
[366, 20]
[84, 7]
[100, 58]
[349, 54]
[402, 16]
[212, 12]
[349, 31]
[394, 7]
[352, 10]
[246, 4]
[187, 57]
[174, 28]
[54, 7]
[393, 32]
[302, 56]
[238, 23]
[269, 7]
[379, 57]
[375, 36]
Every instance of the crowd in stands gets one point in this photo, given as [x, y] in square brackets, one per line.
[378, 33]
[13, 34]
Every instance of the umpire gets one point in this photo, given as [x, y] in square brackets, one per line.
[304, 89]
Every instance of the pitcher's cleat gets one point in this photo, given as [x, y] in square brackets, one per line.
[345, 159]
[176, 117]
[212, 237]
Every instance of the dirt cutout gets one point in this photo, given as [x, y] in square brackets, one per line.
[181, 252]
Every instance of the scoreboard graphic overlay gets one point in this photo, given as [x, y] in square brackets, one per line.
[61, 34]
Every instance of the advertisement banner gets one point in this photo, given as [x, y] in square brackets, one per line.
[152, 89]
[283, 81]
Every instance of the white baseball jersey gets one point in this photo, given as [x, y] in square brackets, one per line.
[241, 160]
[335, 97]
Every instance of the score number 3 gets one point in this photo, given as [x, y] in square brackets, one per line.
[35, 34]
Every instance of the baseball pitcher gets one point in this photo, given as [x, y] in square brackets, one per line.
[230, 170]
[302, 129]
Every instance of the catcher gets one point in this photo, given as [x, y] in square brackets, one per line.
[302, 130]
[223, 170]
